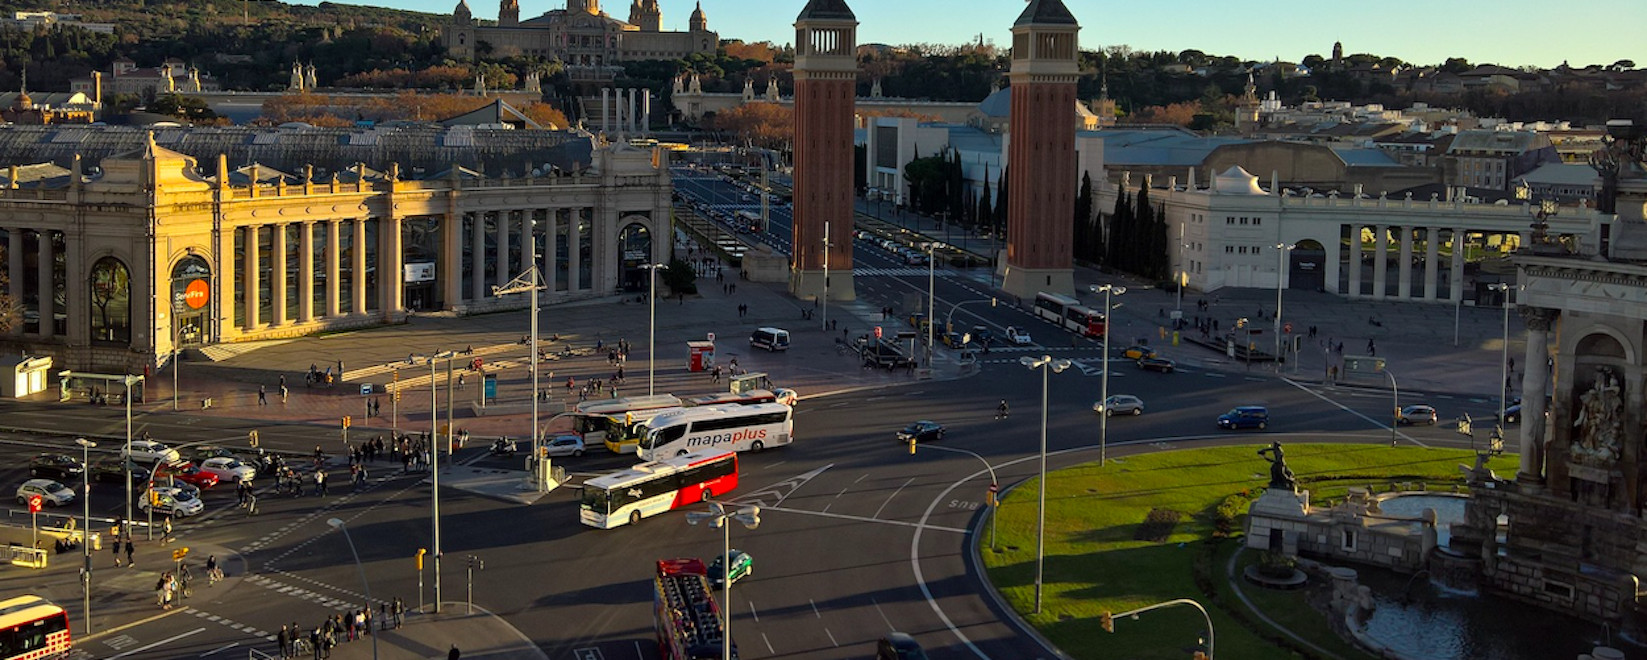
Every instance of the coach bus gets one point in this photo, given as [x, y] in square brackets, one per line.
[32, 627]
[654, 487]
[593, 420]
[728, 427]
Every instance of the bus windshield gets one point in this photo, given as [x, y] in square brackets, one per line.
[595, 499]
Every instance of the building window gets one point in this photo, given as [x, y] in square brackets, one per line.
[1229, 220]
[1348, 540]
[1243, 219]
[1229, 250]
[111, 301]
[1257, 221]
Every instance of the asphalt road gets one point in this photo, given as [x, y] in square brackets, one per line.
[857, 537]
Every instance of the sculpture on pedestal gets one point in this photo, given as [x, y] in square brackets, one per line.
[1280, 476]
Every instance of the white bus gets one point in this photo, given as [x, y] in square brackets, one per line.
[726, 427]
[652, 488]
[1051, 306]
[593, 420]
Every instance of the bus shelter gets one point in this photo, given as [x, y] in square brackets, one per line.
[99, 388]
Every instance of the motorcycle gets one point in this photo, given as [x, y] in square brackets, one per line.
[502, 447]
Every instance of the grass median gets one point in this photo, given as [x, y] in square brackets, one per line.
[1147, 529]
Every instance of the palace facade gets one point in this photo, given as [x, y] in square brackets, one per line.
[581, 35]
[113, 270]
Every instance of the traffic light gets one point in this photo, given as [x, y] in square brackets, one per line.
[346, 420]
[1106, 620]
[911, 445]
[420, 553]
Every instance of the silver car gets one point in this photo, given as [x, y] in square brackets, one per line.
[1120, 404]
[564, 445]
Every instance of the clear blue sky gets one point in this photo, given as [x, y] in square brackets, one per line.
[1508, 32]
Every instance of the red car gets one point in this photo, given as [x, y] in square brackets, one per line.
[186, 472]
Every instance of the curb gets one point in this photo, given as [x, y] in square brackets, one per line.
[975, 565]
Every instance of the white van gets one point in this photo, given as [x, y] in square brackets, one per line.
[771, 339]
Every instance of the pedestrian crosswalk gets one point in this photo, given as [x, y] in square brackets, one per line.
[900, 272]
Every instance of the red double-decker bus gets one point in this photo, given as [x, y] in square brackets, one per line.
[688, 620]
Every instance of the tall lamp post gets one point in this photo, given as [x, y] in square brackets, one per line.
[1395, 400]
[1504, 358]
[434, 454]
[1103, 420]
[651, 325]
[719, 517]
[824, 302]
[1281, 250]
[1047, 365]
[337, 524]
[85, 526]
[531, 282]
[994, 484]
[128, 380]
[931, 312]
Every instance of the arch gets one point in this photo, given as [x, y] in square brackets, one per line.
[111, 297]
[634, 251]
[1601, 343]
[1307, 266]
[191, 299]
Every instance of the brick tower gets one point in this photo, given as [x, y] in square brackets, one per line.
[826, 73]
[1041, 155]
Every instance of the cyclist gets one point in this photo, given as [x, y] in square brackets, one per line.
[1001, 410]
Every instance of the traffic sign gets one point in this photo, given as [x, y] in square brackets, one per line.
[1287, 327]
[711, 336]
[365, 389]
[877, 332]
[34, 503]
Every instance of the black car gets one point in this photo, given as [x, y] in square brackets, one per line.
[55, 466]
[922, 431]
[899, 646]
[114, 469]
[1157, 363]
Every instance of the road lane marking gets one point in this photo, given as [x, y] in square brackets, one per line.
[753, 613]
[769, 648]
[832, 638]
[882, 612]
[889, 497]
[815, 612]
[220, 649]
[842, 516]
[168, 640]
[1347, 409]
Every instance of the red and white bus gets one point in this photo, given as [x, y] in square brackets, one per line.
[32, 628]
[652, 488]
[1068, 313]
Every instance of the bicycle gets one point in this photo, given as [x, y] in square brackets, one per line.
[301, 647]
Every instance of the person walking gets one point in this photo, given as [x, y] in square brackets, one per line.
[115, 545]
[1001, 410]
[262, 395]
[130, 551]
[213, 572]
[454, 654]
[166, 530]
[320, 483]
[284, 639]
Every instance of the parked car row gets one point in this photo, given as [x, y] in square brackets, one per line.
[173, 484]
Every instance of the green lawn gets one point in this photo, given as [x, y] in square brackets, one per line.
[1094, 564]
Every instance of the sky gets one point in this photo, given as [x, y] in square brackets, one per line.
[1507, 32]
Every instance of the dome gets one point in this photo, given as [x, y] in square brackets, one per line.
[697, 13]
[1236, 181]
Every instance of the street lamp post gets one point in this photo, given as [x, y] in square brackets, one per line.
[1047, 365]
[530, 281]
[718, 516]
[1281, 250]
[824, 301]
[337, 524]
[128, 380]
[1103, 420]
[1504, 357]
[949, 321]
[85, 527]
[1107, 620]
[931, 312]
[434, 456]
[1395, 399]
[651, 325]
[994, 484]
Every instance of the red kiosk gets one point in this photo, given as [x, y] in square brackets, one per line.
[702, 354]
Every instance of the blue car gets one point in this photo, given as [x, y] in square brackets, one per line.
[1245, 417]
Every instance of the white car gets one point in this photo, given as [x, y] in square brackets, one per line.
[786, 396]
[148, 452]
[1016, 336]
[564, 445]
[228, 469]
[51, 493]
[171, 501]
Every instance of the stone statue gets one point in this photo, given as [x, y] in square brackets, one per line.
[1280, 476]
[1599, 422]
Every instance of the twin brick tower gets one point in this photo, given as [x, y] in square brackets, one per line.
[1041, 177]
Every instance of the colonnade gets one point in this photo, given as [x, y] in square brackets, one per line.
[45, 293]
[1429, 289]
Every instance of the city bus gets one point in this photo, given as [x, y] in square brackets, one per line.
[1087, 322]
[654, 487]
[624, 432]
[1051, 306]
[727, 427]
[749, 221]
[32, 627]
[592, 420]
[778, 395]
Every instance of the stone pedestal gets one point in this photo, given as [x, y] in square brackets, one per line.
[1278, 518]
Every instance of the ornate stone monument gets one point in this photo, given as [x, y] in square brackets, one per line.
[1575, 539]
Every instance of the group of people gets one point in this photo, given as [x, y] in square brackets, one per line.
[172, 587]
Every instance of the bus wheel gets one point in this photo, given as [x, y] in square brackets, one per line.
[757, 446]
[680, 453]
[634, 517]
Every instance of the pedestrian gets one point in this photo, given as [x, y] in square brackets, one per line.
[283, 381]
[399, 611]
[116, 546]
[213, 573]
[1371, 348]
[282, 638]
[454, 654]
[130, 551]
[320, 483]
[166, 530]
[314, 643]
[262, 396]
[283, 393]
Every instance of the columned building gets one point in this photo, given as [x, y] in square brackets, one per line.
[1041, 173]
[826, 71]
[115, 270]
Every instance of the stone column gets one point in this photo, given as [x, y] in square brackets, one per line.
[391, 268]
[574, 256]
[1381, 262]
[1432, 252]
[1404, 279]
[357, 266]
[14, 269]
[248, 272]
[223, 266]
[1459, 236]
[76, 297]
[528, 239]
[277, 288]
[1535, 380]
[450, 267]
[477, 258]
[551, 240]
[1355, 261]
[334, 270]
[1334, 251]
[306, 272]
[501, 222]
[43, 266]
